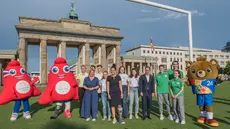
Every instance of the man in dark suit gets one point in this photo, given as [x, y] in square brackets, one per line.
[146, 84]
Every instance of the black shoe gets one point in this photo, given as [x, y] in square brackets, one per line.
[143, 118]
[53, 117]
[149, 117]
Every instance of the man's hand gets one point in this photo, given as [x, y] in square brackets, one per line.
[153, 94]
[121, 96]
[109, 96]
[141, 93]
[173, 97]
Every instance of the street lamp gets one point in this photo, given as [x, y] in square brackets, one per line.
[166, 7]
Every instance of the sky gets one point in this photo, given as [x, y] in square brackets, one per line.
[137, 23]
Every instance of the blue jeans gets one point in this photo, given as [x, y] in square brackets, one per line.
[17, 105]
[133, 96]
[105, 103]
[124, 101]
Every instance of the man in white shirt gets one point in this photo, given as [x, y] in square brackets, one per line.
[99, 75]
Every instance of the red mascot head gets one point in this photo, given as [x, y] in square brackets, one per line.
[17, 83]
[61, 83]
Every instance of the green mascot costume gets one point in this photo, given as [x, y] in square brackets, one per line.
[202, 76]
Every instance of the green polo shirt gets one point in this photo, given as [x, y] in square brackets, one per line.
[176, 85]
[171, 74]
[81, 78]
[162, 82]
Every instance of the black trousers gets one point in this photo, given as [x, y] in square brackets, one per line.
[81, 92]
[146, 103]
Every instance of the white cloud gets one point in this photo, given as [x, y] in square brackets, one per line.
[165, 14]
[146, 11]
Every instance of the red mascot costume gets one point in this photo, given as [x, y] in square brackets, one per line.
[62, 87]
[18, 87]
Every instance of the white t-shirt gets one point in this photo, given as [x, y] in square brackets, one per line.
[124, 78]
[147, 76]
[102, 83]
[134, 81]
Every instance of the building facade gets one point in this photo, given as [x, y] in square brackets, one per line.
[166, 55]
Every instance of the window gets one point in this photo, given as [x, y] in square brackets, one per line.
[156, 52]
[163, 52]
[167, 53]
[222, 56]
[186, 56]
[174, 53]
[180, 59]
[171, 60]
[152, 52]
[133, 53]
[181, 54]
[205, 56]
[170, 53]
[148, 51]
[181, 67]
[163, 60]
[143, 51]
[177, 53]
[211, 56]
[159, 52]
[221, 62]
[216, 56]
[227, 57]
[174, 59]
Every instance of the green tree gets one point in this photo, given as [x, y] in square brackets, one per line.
[227, 68]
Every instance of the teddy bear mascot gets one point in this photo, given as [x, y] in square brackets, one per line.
[18, 87]
[202, 76]
[61, 88]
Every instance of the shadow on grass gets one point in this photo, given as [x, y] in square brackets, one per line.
[221, 99]
[58, 124]
[227, 117]
[203, 126]
[221, 102]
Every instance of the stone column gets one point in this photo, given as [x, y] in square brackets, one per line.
[87, 55]
[22, 51]
[140, 71]
[61, 49]
[43, 62]
[104, 60]
[132, 63]
[1, 73]
[118, 57]
[99, 54]
[128, 68]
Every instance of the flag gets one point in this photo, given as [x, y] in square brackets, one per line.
[151, 44]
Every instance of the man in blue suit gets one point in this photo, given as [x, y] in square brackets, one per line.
[146, 84]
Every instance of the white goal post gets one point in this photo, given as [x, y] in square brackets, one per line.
[166, 7]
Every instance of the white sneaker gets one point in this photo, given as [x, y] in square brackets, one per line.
[177, 120]
[136, 115]
[104, 118]
[114, 121]
[130, 117]
[14, 116]
[170, 117]
[183, 122]
[161, 117]
[88, 119]
[93, 119]
[26, 115]
[109, 118]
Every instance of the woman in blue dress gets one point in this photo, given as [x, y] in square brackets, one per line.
[90, 99]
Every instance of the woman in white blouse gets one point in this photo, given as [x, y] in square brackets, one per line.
[104, 97]
[133, 84]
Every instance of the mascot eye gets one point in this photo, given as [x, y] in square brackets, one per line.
[209, 70]
[193, 71]
[12, 72]
[55, 70]
[66, 69]
[22, 71]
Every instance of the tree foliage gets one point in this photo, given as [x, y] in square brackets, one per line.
[227, 68]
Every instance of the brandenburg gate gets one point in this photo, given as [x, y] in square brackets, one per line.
[104, 41]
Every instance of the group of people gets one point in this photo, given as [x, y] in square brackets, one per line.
[115, 89]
